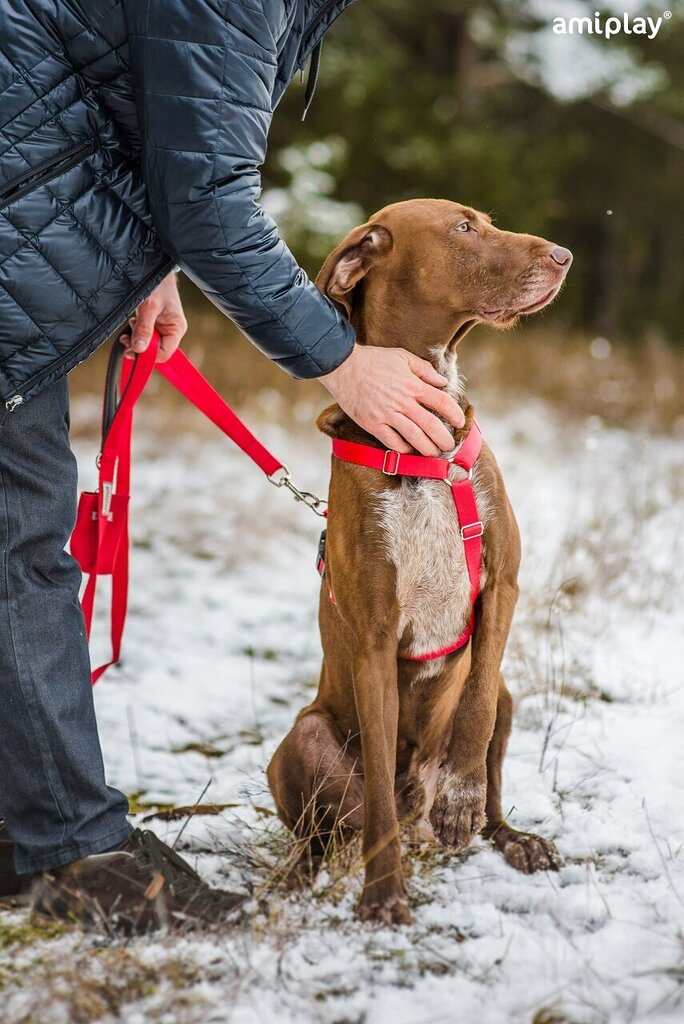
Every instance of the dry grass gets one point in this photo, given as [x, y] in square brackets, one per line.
[632, 386]
[91, 982]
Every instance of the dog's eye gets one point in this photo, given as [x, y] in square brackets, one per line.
[463, 226]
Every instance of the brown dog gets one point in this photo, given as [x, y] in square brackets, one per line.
[386, 739]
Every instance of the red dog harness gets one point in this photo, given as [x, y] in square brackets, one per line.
[393, 463]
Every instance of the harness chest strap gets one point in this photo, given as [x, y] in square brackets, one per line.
[393, 463]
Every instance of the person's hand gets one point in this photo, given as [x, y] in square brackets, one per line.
[389, 392]
[162, 311]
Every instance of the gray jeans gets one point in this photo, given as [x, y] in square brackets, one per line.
[53, 794]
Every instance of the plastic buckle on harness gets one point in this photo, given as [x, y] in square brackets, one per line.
[320, 554]
[395, 470]
[477, 528]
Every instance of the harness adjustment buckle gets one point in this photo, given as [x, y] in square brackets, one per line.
[320, 554]
[391, 471]
[471, 531]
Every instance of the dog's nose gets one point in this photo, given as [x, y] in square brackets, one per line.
[561, 256]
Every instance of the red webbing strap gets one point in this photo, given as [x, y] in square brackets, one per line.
[113, 493]
[471, 530]
[393, 463]
[187, 379]
[389, 462]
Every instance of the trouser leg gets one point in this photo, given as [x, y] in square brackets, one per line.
[53, 794]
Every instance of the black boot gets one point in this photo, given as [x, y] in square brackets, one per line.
[136, 889]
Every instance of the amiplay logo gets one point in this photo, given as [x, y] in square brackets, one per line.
[611, 25]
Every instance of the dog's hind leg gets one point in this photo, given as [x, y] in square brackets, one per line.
[523, 850]
[317, 785]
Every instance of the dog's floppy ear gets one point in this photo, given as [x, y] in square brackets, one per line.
[351, 261]
[330, 420]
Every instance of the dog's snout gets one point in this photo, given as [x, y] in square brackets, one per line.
[561, 256]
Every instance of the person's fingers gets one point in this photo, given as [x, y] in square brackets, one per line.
[442, 403]
[125, 340]
[168, 344]
[143, 326]
[415, 436]
[391, 439]
[437, 431]
[425, 370]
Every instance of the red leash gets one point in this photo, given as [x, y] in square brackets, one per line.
[393, 463]
[99, 541]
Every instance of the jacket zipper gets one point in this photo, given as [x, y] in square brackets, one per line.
[43, 172]
[122, 309]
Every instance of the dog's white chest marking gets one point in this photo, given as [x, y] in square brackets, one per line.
[424, 544]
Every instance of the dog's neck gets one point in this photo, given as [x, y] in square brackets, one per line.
[431, 335]
[431, 341]
[445, 361]
[443, 357]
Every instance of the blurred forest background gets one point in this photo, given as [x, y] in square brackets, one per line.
[577, 138]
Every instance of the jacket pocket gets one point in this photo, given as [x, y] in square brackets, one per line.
[25, 183]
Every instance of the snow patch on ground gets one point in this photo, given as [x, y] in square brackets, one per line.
[222, 649]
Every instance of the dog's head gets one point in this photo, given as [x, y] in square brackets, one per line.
[440, 268]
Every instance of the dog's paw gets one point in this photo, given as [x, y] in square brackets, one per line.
[411, 800]
[392, 910]
[525, 851]
[458, 812]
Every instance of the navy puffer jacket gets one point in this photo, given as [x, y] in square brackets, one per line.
[131, 135]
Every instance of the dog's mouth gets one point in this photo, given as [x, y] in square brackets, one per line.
[508, 313]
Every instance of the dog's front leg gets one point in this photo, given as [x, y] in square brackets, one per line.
[377, 704]
[458, 812]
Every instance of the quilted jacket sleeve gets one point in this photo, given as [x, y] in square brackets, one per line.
[204, 72]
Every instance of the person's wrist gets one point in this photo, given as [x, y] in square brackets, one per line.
[332, 380]
[170, 281]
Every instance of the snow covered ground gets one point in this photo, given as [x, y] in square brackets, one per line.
[222, 649]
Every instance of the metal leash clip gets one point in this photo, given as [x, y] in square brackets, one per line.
[283, 478]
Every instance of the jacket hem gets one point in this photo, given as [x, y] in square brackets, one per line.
[54, 372]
